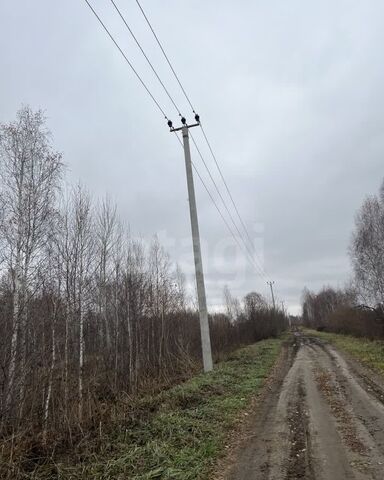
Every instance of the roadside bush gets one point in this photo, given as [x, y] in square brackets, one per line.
[357, 322]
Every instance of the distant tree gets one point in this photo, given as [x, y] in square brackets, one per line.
[318, 307]
[307, 308]
[367, 249]
[253, 302]
[232, 304]
[107, 238]
[181, 291]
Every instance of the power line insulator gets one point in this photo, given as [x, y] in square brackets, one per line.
[197, 118]
[170, 123]
[183, 121]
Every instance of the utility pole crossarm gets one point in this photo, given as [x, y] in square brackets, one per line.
[184, 126]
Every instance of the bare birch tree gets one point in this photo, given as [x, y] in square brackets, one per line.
[367, 249]
[77, 248]
[53, 292]
[83, 268]
[106, 236]
[30, 175]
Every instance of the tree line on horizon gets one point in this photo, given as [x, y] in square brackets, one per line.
[88, 314]
[357, 309]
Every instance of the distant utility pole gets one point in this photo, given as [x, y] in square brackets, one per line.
[273, 296]
[203, 312]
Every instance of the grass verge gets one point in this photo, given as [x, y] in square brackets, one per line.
[179, 433]
[369, 352]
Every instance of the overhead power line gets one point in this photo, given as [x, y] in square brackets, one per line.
[126, 59]
[220, 213]
[247, 255]
[226, 187]
[146, 57]
[202, 128]
[225, 204]
[178, 110]
[165, 55]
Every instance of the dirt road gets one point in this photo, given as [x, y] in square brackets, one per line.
[321, 417]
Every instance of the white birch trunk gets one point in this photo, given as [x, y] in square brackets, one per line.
[50, 379]
[14, 342]
[81, 363]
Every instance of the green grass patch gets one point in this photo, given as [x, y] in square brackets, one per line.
[369, 352]
[186, 430]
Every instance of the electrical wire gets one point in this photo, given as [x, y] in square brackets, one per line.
[220, 212]
[248, 253]
[226, 185]
[202, 128]
[165, 55]
[225, 204]
[145, 56]
[126, 59]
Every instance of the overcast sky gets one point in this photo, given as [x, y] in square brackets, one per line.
[291, 95]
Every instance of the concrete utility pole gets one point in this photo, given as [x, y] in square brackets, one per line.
[273, 297]
[203, 312]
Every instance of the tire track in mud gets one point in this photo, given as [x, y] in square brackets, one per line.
[355, 406]
[340, 411]
[323, 421]
[299, 461]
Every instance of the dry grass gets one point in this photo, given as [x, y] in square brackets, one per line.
[176, 434]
